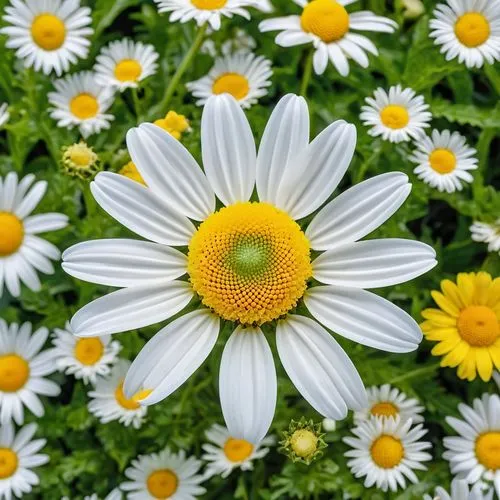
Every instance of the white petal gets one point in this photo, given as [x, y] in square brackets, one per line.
[31, 200]
[41, 223]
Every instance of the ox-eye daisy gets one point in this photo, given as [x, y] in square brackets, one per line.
[48, 34]
[387, 450]
[80, 101]
[397, 116]
[469, 30]
[444, 160]
[487, 233]
[329, 27]
[244, 76]
[115, 494]
[250, 262]
[22, 371]
[474, 454]
[22, 253]
[460, 491]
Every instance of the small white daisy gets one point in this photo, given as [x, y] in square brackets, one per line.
[487, 233]
[387, 450]
[4, 114]
[115, 494]
[387, 401]
[22, 371]
[469, 30]
[444, 160]
[84, 358]
[329, 27]
[460, 491]
[18, 456]
[124, 63]
[228, 453]
[397, 116]
[108, 402]
[164, 475]
[22, 252]
[244, 76]
[80, 101]
[48, 34]
[474, 454]
[240, 43]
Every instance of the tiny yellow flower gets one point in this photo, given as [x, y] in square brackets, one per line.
[130, 170]
[174, 124]
[80, 160]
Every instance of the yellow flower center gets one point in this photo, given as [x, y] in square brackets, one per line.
[130, 170]
[14, 372]
[84, 106]
[231, 83]
[11, 233]
[80, 155]
[48, 31]
[326, 19]
[249, 262]
[304, 442]
[488, 450]
[8, 463]
[387, 451]
[384, 409]
[237, 450]
[478, 326]
[89, 351]
[395, 116]
[472, 29]
[128, 70]
[133, 402]
[442, 161]
[209, 4]
[162, 483]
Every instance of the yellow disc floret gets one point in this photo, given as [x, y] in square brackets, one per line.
[443, 161]
[84, 106]
[478, 326]
[11, 233]
[162, 483]
[128, 70]
[387, 451]
[89, 351]
[8, 463]
[384, 409]
[14, 372]
[327, 19]
[249, 262]
[488, 450]
[395, 116]
[237, 450]
[48, 31]
[304, 442]
[209, 4]
[133, 402]
[231, 83]
[472, 29]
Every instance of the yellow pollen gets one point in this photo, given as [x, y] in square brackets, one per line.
[387, 451]
[48, 31]
[11, 233]
[133, 402]
[84, 106]
[162, 483]
[442, 161]
[8, 463]
[14, 372]
[89, 351]
[231, 83]
[395, 116]
[80, 155]
[130, 170]
[237, 450]
[303, 442]
[326, 19]
[128, 70]
[209, 4]
[478, 326]
[472, 29]
[249, 262]
[384, 409]
[488, 450]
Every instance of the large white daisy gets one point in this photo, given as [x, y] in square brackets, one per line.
[331, 29]
[460, 491]
[250, 262]
[48, 34]
[22, 252]
[487, 233]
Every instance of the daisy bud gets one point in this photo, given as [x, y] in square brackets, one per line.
[303, 441]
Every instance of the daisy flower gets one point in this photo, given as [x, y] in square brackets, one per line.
[174, 123]
[228, 453]
[164, 475]
[397, 116]
[469, 30]
[329, 27]
[250, 262]
[386, 401]
[80, 101]
[22, 252]
[48, 34]
[108, 403]
[4, 114]
[125, 63]
[115, 494]
[444, 160]
[84, 358]
[487, 233]
[386, 451]
[460, 491]
[18, 456]
[244, 76]
[473, 455]
[240, 43]
[466, 325]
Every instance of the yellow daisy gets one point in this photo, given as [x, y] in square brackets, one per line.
[466, 325]
[130, 170]
[174, 124]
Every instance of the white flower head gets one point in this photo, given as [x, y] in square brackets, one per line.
[487, 233]
[460, 491]
[115, 494]
[240, 43]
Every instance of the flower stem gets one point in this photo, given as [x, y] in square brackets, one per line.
[306, 77]
[137, 104]
[416, 373]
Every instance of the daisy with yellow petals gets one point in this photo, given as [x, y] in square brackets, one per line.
[466, 325]
[130, 170]
[174, 123]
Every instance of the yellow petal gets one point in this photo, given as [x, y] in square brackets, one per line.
[445, 346]
[465, 283]
[494, 295]
[439, 317]
[468, 365]
[445, 304]
[483, 283]
[494, 351]
[484, 364]
[450, 290]
[457, 355]
[438, 334]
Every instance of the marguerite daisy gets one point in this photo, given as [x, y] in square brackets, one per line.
[244, 76]
[164, 475]
[124, 63]
[22, 371]
[469, 30]
[22, 253]
[80, 101]
[250, 262]
[385, 451]
[487, 233]
[444, 160]
[4, 114]
[115, 494]
[460, 491]
[466, 325]
[329, 27]
[397, 116]
[474, 455]
[48, 34]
